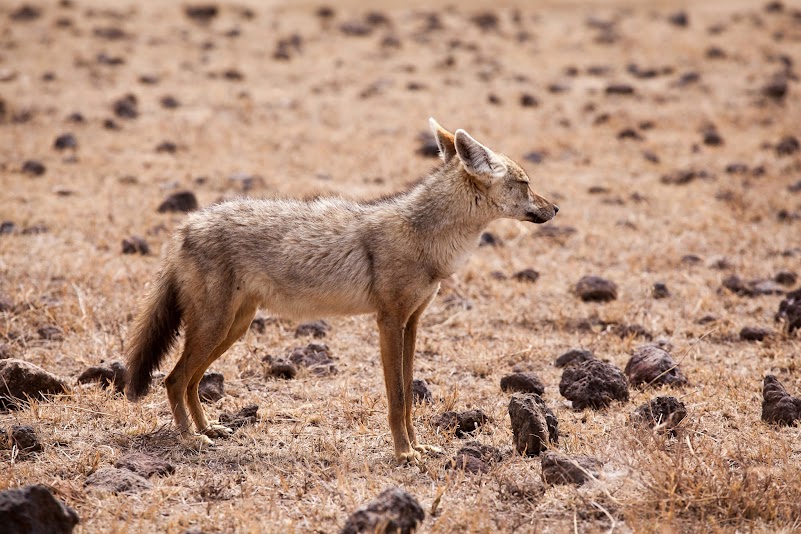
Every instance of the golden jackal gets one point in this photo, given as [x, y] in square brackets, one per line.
[328, 256]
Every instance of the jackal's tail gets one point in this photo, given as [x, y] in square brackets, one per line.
[154, 334]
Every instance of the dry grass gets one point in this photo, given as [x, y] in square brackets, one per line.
[322, 446]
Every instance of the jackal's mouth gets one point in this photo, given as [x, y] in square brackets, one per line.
[537, 217]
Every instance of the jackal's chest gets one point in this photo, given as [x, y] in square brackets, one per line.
[448, 259]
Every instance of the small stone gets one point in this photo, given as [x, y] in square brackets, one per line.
[428, 145]
[754, 333]
[661, 414]
[535, 156]
[34, 510]
[596, 289]
[107, 375]
[593, 384]
[315, 329]
[117, 480]
[785, 278]
[736, 168]
[246, 416]
[169, 102]
[25, 13]
[135, 245]
[65, 141]
[487, 21]
[468, 464]
[523, 383]
[787, 146]
[652, 365]
[182, 201]
[394, 510]
[526, 275]
[528, 101]
[790, 311]
[316, 358]
[486, 453]
[6, 227]
[629, 133]
[126, 107]
[561, 469]
[50, 332]
[776, 88]
[488, 239]
[420, 392]
[619, 89]
[110, 33]
[24, 438]
[201, 12]
[712, 138]
[461, 423]
[167, 147]
[145, 465]
[211, 388]
[281, 368]
[534, 425]
[356, 28]
[660, 291]
[777, 405]
[32, 167]
[573, 357]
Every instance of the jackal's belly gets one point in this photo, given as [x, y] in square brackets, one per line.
[313, 303]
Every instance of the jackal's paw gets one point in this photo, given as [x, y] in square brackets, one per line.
[216, 430]
[429, 449]
[410, 457]
[196, 441]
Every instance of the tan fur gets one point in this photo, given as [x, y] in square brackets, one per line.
[328, 256]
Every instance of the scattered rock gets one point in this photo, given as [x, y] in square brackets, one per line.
[203, 13]
[20, 380]
[751, 288]
[246, 416]
[468, 464]
[624, 331]
[169, 102]
[593, 384]
[523, 383]
[356, 28]
[754, 333]
[776, 87]
[316, 357]
[107, 375]
[652, 365]
[486, 453]
[24, 438]
[33, 167]
[211, 388]
[535, 156]
[135, 245]
[145, 465]
[777, 405]
[167, 147]
[786, 278]
[281, 368]
[428, 145]
[619, 89]
[596, 289]
[790, 311]
[394, 510]
[25, 13]
[661, 413]
[111, 33]
[711, 137]
[526, 275]
[487, 21]
[534, 425]
[561, 469]
[660, 291]
[629, 133]
[787, 146]
[573, 357]
[528, 101]
[6, 227]
[117, 480]
[681, 177]
[420, 392]
[65, 141]
[488, 239]
[316, 329]
[461, 423]
[34, 510]
[181, 201]
[679, 19]
[50, 332]
[126, 107]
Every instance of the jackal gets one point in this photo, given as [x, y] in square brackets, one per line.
[327, 256]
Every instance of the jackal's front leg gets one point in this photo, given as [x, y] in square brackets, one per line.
[391, 333]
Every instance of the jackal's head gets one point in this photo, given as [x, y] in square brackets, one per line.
[503, 185]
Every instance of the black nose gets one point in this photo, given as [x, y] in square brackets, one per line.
[555, 209]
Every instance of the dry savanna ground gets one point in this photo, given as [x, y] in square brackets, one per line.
[685, 172]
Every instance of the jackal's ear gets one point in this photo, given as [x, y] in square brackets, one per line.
[444, 140]
[477, 159]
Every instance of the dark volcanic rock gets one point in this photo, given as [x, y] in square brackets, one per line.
[201, 12]
[316, 357]
[126, 107]
[113, 374]
[468, 464]
[526, 275]
[619, 89]
[787, 146]
[25, 13]
[596, 289]
[776, 87]
[662, 413]
[786, 278]
[316, 329]
[135, 245]
[653, 365]
[20, 380]
[593, 384]
[660, 291]
[184, 201]
[50, 332]
[754, 333]
[34, 510]
[117, 480]
[25, 439]
[679, 18]
[211, 388]
[752, 288]
[523, 383]
[420, 392]
[32, 167]
[145, 465]
[65, 141]
[777, 405]
[461, 423]
[281, 368]
[534, 425]
[790, 311]
[573, 357]
[394, 510]
[486, 453]
[488, 239]
[561, 469]
[428, 145]
[246, 416]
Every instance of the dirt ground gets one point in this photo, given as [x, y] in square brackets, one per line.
[276, 99]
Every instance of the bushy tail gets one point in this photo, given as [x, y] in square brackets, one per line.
[154, 334]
